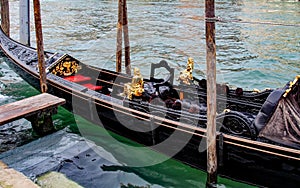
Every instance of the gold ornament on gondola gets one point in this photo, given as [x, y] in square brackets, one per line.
[186, 76]
[66, 67]
[292, 84]
[136, 87]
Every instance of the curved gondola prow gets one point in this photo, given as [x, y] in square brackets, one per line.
[278, 120]
[293, 87]
[269, 106]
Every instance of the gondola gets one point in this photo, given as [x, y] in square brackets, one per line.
[258, 137]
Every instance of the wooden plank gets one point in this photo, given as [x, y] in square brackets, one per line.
[28, 106]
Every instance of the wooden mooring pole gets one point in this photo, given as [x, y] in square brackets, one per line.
[126, 39]
[119, 37]
[122, 28]
[211, 93]
[24, 22]
[5, 21]
[40, 44]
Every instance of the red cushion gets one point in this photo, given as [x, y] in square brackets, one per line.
[77, 78]
[92, 87]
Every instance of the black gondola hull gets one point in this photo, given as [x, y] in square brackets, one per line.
[241, 159]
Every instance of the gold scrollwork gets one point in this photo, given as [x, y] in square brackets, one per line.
[66, 67]
[287, 91]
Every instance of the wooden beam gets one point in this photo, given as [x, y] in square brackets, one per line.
[24, 22]
[37, 109]
[119, 37]
[211, 93]
[40, 44]
[5, 21]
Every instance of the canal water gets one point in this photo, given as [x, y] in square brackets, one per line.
[258, 44]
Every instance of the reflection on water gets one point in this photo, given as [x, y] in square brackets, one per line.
[248, 55]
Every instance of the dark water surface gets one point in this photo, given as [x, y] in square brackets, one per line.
[249, 55]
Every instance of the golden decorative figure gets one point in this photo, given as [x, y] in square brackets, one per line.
[186, 76]
[136, 87]
[66, 67]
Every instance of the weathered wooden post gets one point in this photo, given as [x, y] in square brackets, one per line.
[5, 21]
[119, 37]
[211, 93]
[25, 22]
[126, 39]
[40, 44]
[122, 26]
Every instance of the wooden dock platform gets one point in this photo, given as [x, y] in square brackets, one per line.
[37, 109]
[12, 178]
